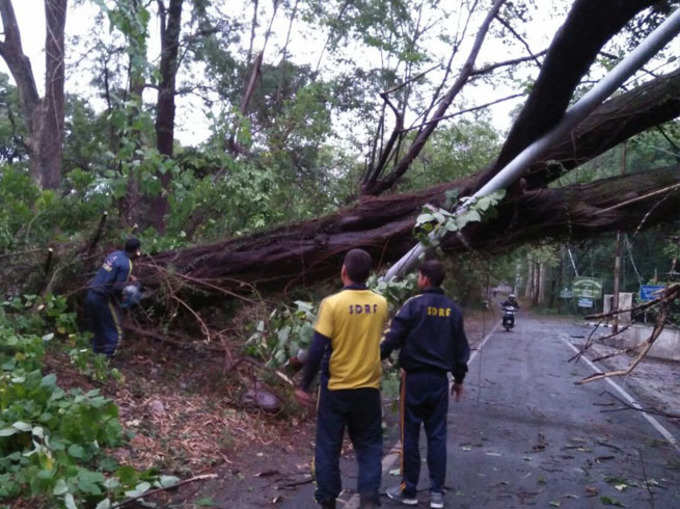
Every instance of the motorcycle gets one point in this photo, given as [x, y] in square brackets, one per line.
[509, 317]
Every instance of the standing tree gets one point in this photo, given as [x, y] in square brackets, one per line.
[171, 24]
[44, 118]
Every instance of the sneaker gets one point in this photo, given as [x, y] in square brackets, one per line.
[436, 500]
[397, 493]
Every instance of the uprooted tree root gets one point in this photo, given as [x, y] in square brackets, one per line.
[663, 303]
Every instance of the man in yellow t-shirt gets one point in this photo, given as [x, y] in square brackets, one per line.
[346, 344]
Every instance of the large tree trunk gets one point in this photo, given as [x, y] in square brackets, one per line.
[616, 120]
[44, 118]
[307, 252]
[587, 28]
[48, 120]
[132, 208]
[165, 115]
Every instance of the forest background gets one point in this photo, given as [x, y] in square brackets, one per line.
[250, 144]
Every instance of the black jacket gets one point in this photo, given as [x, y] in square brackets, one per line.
[429, 331]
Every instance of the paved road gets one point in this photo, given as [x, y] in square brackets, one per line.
[526, 435]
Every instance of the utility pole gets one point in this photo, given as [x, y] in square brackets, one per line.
[673, 275]
[617, 258]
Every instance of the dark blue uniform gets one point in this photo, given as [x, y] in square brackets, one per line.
[429, 332]
[99, 303]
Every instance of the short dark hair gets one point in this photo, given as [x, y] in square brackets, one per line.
[132, 245]
[358, 264]
[434, 271]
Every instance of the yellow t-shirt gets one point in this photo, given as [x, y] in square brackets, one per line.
[354, 321]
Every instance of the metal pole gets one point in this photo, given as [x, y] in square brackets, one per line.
[572, 117]
[617, 257]
[573, 264]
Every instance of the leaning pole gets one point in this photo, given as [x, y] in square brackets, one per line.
[572, 117]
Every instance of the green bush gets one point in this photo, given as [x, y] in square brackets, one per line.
[52, 442]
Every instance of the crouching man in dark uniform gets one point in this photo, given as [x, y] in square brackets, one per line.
[103, 292]
[428, 330]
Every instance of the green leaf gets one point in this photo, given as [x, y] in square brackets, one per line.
[49, 380]
[165, 481]
[69, 502]
[104, 504]
[308, 307]
[89, 482]
[76, 451]
[283, 335]
[424, 218]
[469, 216]
[140, 489]
[60, 488]
[22, 426]
[127, 475]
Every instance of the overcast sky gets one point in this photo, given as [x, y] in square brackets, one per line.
[191, 123]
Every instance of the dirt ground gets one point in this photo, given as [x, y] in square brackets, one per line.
[185, 417]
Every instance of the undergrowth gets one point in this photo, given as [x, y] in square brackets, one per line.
[53, 443]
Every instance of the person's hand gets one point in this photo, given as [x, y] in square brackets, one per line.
[457, 391]
[304, 398]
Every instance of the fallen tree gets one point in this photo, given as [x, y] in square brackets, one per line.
[306, 252]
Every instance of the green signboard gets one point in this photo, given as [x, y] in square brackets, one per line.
[587, 287]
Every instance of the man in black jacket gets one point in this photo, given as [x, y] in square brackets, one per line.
[103, 294]
[428, 330]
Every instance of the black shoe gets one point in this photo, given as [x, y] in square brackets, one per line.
[328, 504]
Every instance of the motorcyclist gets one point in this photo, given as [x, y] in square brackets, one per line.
[510, 306]
[511, 301]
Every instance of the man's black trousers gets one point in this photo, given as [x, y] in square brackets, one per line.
[103, 322]
[360, 412]
[427, 401]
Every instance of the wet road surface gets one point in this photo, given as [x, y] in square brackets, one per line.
[525, 435]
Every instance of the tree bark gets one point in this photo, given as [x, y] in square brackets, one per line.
[44, 118]
[171, 24]
[306, 252]
[49, 121]
[616, 120]
[575, 46]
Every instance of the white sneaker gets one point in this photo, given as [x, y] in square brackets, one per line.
[436, 500]
[397, 493]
